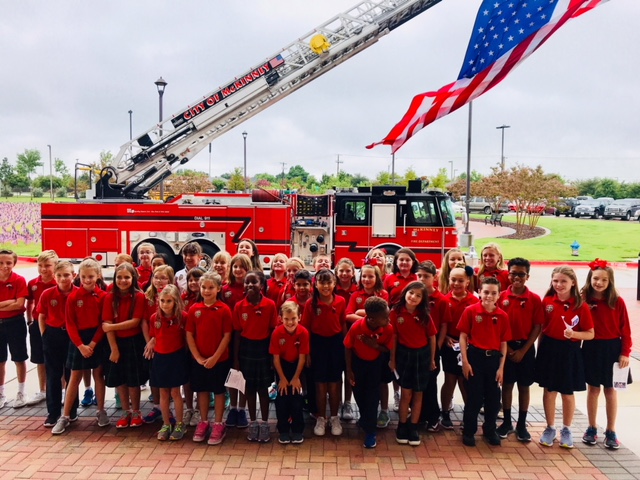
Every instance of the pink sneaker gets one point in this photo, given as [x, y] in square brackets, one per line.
[218, 433]
[201, 432]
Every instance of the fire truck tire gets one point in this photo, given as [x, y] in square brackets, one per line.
[175, 261]
[209, 251]
[390, 249]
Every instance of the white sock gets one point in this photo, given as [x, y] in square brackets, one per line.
[1, 389]
[21, 387]
[568, 427]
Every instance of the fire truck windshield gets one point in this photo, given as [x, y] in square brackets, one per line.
[448, 215]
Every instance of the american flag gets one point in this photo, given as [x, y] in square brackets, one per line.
[505, 33]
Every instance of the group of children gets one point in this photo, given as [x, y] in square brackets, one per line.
[313, 334]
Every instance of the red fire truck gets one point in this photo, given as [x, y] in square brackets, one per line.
[118, 214]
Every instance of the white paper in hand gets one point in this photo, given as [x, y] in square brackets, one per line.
[236, 380]
[620, 376]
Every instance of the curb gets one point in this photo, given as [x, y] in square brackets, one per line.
[28, 259]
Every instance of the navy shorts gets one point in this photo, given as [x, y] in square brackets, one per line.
[13, 334]
[209, 380]
[522, 373]
[35, 342]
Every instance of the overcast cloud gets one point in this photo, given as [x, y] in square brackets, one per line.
[72, 70]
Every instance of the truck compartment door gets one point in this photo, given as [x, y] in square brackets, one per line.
[383, 220]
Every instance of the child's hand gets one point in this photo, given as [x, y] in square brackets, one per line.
[623, 361]
[282, 386]
[209, 362]
[432, 367]
[499, 376]
[467, 371]
[568, 333]
[236, 364]
[308, 361]
[296, 386]
[107, 327]
[449, 342]
[516, 356]
[114, 356]
[148, 350]
[85, 350]
[352, 379]
[392, 365]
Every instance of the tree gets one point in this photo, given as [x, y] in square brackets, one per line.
[237, 180]
[28, 162]
[298, 171]
[44, 182]
[441, 180]
[6, 172]
[103, 161]
[218, 184]
[60, 167]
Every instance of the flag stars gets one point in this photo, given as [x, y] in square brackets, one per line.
[511, 38]
[495, 37]
[506, 29]
[480, 30]
[521, 31]
[485, 13]
[496, 5]
[491, 52]
[501, 46]
[543, 16]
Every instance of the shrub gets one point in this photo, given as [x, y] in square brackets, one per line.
[37, 193]
[7, 193]
[61, 192]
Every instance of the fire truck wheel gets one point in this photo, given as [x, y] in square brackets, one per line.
[209, 251]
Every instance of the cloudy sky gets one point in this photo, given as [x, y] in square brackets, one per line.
[71, 71]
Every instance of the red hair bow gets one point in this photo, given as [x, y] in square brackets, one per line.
[374, 262]
[598, 263]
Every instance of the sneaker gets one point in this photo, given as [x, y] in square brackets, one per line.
[232, 418]
[273, 392]
[151, 397]
[446, 422]
[178, 432]
[218, 432]
[143, 387]
[611, 440]
[94, 401]
[469, 440]
[103, 419]
[493, 439]
[284, 438]
[347, 412]
[265, 434]
[402, 433]
[396, 401]
[3, 400]
[50, 421]
[164, 433]
[548, 437]
[61, 425]
[590, 436]
[505, 429]
[212, 400]
[136, 419]
[227, 399]
[414, 437]
[20, 401]
[566, 438]
[152, 416]
[243, 421]
[254, 431]
[297, 438]
[433, 427]
[201, 432]
[124, 421]
[118, 402]
[370, 441]
[87, 398]
[37, 398]
[336, 426]
[523, 434]
[320, 428]
[195, 419]
[188, 413]
[383, 419]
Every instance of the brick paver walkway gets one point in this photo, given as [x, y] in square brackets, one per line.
[28, 450]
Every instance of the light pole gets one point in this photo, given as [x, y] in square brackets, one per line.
[160, 85]
[50, 173]
[209, 161]
[502, 127]
[244, 137]
[451, 163]
[393, 169]
[130, 124]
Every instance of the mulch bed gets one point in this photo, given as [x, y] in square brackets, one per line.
[525, 234]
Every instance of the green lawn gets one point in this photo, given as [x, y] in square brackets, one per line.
[613, 240]
[25, 198]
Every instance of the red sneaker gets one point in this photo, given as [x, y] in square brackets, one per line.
[136, 419]
[125, 420]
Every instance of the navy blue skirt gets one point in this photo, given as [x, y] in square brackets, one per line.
[169, 370]
[598, 357]
[559, 366]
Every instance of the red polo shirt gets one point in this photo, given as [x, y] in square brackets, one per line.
[353, 339]
[346, 294]
[189, 299]
[356, 302]
[558, 315]
[395, 283]
[289, 346]
[150, 307]
[144, 276]
[255, 322]
[232, 294]
[274, 287]
[209, 324]
[131, 306]
[325, 320]
[439, 309]
[457, 307]
[486, 330]
[35, 288]
[411, 333]
[52, 305]
[501, 275]
[524, 312]
[611, 323]
[168, 332]
[84, 311]
[13, 288]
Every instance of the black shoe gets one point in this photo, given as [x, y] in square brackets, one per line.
[402, 433]
[504, 429]
[493, 439]
[469, 440]
[50, 421]
[414, 437]
[446, 422]
[523, 434]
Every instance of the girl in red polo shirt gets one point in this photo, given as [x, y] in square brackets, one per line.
[452, 258]
[414, 357]
[346, 279]
[209, 330]
[191, 295]
[250, 249]
[278, 278]
[254, 318]
[378, 257]
[405, 265]
[459, 297]
[169, 368]
[492, 265]
[121, 315]
[324, 317]
[612, 343]
[559, 366]
[293, 266]
[220, 265]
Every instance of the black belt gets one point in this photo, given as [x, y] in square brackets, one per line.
[487, 353]
[64, 329]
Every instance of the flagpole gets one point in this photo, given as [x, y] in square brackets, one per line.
[468, 192]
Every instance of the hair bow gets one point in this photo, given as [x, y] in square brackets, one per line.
[598, 263]
[374, 262]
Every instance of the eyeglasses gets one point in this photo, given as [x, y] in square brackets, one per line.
[518, 274]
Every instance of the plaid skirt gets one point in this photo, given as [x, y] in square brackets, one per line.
[169, 370]
[131, 369]
[327, 358]
[559, 366]
[598, 357]
[75, 360]
[413, 367]
[255, 363]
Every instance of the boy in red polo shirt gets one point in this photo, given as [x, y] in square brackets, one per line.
[50, 312]
[365, 341]
[484, 332]
[13, 328]
[526, 317]
[289, 347]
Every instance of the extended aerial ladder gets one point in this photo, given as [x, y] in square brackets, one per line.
[145, 161]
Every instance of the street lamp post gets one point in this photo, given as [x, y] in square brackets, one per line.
[130, 124]
[244, 138]
[50, 173]
[502, 127]
[161, 84]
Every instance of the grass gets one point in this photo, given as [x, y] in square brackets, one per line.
[23, 249]
[613, 240]
[25, 198]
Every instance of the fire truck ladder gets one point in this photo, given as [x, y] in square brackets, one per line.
[144, 162]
